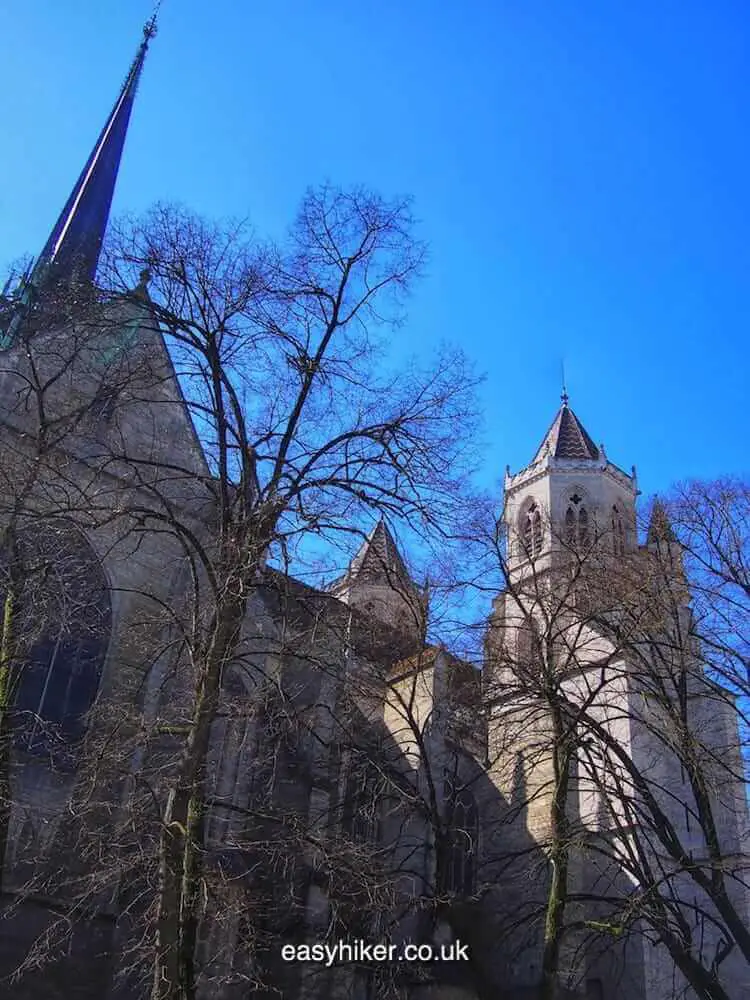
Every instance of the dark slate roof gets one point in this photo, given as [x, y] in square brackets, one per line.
[378, 557]
[75, 242]
[567, 438]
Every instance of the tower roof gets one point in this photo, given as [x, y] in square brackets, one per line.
[74, 245]
[567, 437]
[378, 557]
[660, 528]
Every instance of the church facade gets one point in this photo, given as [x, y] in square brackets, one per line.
[362, 782]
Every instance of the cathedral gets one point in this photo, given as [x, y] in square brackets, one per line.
[363, 783]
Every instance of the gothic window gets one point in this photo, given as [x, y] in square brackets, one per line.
[570, 527]
[463, 840]
[64, 624]
[269, 747]
[532, 532]
[228, 771]
[618, 532]
[577, 532]
[528, 646]
[583, 527]
[360, 816]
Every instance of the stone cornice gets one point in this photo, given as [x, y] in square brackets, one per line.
[548, 465]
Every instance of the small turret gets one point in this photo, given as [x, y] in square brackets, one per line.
[378, 584]
[660, 530]
[667, 557]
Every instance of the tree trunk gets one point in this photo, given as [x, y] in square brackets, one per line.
[181, 846]
[554, 923]
[6, 693]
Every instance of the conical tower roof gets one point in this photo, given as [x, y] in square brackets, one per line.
[567, 437]
[377, 558]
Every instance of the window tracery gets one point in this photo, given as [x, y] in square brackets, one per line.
[577, 530]
[583, 527]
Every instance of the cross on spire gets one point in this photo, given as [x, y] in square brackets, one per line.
[564, 393]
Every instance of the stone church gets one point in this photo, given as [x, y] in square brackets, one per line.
[420, 787]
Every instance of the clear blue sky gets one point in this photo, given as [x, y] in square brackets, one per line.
[580, 169]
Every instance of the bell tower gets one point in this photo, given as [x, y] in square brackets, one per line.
[570, 495]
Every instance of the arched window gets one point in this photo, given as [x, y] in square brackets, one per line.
[583, 527]
[532, 532]
[529, 649]
[570, 527]
[618, 532]
[63, 628]
[463, 841]
[577, 533]
[360, 815]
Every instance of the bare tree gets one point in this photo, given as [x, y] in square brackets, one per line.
[277, 357]
[599, 658]
[52, 369]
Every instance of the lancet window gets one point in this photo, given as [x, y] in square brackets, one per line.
[360, 816]
[532, 531]
[618, 531]
[461, 855]
[577, 524]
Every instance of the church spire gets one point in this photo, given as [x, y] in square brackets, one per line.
[74, 244]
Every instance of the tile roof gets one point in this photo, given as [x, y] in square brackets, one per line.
[378, 557]
[567, 438]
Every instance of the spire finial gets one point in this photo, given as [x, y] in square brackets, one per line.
[150, 28]
[564, 393]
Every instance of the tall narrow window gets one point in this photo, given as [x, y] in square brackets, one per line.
[461, 856]
[532, 532]
[618, 532]
[583, 528]
[570, 527]
[529, 649]
[360, 816]
[577, 532]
